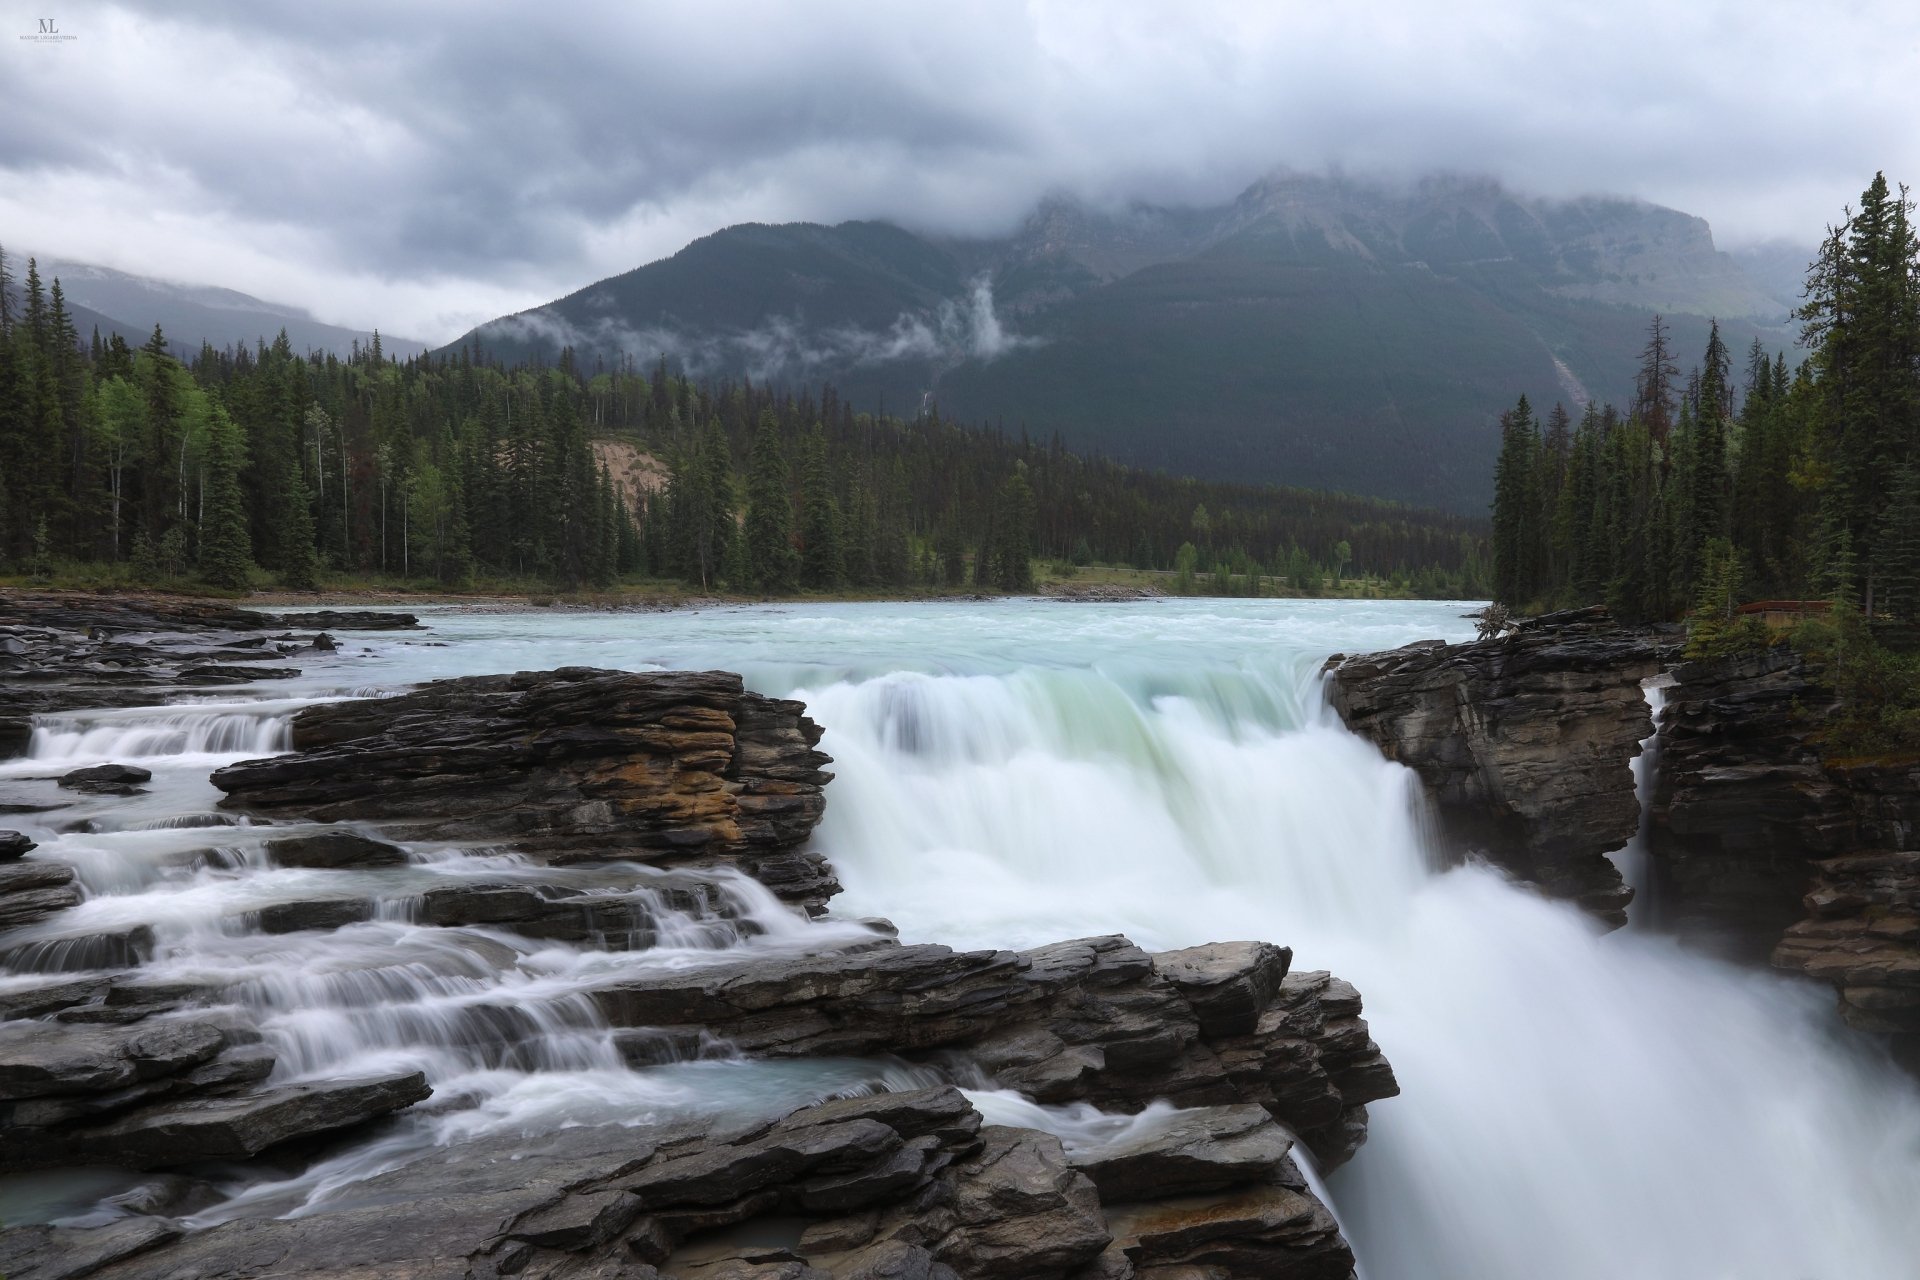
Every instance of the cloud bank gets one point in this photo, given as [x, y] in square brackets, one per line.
[425, 167]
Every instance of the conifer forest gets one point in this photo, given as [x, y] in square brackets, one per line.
[1757, 477]
[242, 467]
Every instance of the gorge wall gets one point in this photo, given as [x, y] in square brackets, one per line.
[1761, 844]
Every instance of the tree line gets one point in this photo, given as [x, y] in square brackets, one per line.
[1762, 482]
[454, 468]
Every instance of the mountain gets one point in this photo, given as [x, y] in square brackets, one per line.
[191, 314]
[1314, 331]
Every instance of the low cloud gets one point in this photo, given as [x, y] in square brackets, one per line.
[964, 328]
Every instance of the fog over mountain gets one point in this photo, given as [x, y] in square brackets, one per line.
[427, 168]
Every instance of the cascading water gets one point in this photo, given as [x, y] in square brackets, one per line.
[1574, 1104]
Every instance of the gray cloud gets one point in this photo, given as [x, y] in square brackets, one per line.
[427, 166]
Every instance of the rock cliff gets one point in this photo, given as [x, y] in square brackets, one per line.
[1765, 844]
[1524, 743]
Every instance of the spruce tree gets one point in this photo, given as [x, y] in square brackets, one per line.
[773, 564]
[821, 562]
[226, 552]
[299, 561]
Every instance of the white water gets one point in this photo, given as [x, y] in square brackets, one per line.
[1574, 1105]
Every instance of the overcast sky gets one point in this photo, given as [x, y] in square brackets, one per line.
[427, 165]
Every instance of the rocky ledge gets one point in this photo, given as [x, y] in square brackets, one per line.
[893, 1185]
[896, 1184]
[64, 650]
[1524, 742]
[673, 768]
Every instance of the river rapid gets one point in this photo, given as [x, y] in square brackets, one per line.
[1575, 1104]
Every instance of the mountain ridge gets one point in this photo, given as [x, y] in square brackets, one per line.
[1321, 331]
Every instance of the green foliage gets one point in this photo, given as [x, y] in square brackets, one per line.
[1808, 487]
[299, 561]
[226, 549]
[1877, 690]
[445, 470]
[772, 562]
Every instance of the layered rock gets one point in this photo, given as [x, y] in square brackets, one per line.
[1862, 934]
[890, 1185]
[571, 765]
[1096, 1020]
[1747, 805]
[64, 650]
[165, 1090]
[1524, 743]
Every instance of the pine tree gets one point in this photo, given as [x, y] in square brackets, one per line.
[299, 561]
[1516, 507]
[226, 552]
[821, 562]
[772, 562]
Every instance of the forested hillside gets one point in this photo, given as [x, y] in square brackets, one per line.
[1314, 331]
[257, 461]
[1749, 480]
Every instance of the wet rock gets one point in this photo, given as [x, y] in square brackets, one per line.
[572, 765]
[1259, 1231]
[324, 620]
[581, 1221]
[34, 1002]
[237, 1128]
[1525, 743]
[1208, 1149]
[1745, 805]
[1090, 1020]
[35, 1061]
[107, 779]
[67, 1253]
[14, 845]
[331, 849]
[621, 921]
[40, 1127]
[226, 673]
[326, 643]
[1862, 934]
[1229, 984]
[313, 913]
[1020, 1210]
[33, 889]
[80, 953]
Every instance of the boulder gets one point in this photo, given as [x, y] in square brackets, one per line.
[1525, 743]
[107, 779]
[1206, 1149]
[14, 845]
[570, 765]
[334, 849]
[32, 889]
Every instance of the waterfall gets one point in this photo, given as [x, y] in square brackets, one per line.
[147, 732]
[1574, 1105]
